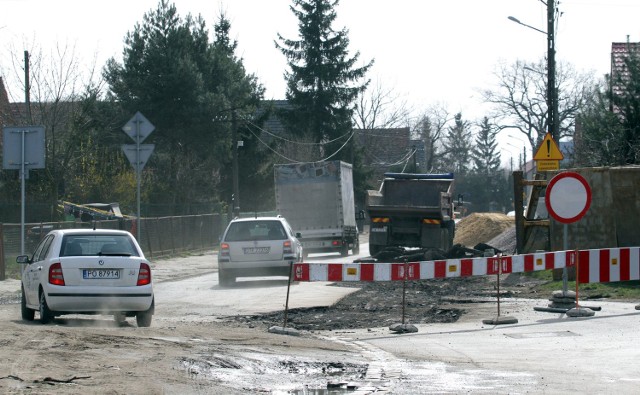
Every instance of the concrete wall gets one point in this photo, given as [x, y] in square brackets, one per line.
[614, 215]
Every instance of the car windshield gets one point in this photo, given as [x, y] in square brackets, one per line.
[83, 245]
[256, 230]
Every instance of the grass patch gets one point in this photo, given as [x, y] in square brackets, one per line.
[613, 290]
[11, 268]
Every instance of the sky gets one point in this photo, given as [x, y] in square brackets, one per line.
[427, 52]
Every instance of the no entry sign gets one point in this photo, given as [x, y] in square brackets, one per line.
[568, 197]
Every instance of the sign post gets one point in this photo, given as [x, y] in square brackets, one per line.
[23, 149]
[138, 128]
[568, 198]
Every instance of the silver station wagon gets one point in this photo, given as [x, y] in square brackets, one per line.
[254, 247]
[84, 271]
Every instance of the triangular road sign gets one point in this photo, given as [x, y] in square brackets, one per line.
[145, 152]
[548, 150]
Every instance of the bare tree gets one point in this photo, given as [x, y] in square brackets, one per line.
[58, 86]
[430, 129]
[520, 98]
[379, 107]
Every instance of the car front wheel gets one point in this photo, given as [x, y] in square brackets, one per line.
[46, 315]
[27, 313]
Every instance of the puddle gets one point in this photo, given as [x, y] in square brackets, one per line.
[277, 375]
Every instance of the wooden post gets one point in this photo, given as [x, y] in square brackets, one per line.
[518, 203]
[3, 275]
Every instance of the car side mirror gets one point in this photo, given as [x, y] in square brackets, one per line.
[298, 235]
[23, 259]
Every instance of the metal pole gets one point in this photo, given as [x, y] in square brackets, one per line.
[565, 235]
[22, 190]
[286, 304]
[236, 188]
[404, 290]
[138, 178]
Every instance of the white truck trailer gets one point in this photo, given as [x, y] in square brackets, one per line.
[317, 199]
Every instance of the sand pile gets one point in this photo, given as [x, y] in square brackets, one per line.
[482, 228]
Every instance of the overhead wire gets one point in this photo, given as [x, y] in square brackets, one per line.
[297, 161]
[296, 142]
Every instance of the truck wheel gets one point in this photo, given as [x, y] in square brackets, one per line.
[344, 250]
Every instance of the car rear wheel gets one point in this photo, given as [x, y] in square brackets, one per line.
[225, 279]
[143, 318]
[46, 315]
[27, 313]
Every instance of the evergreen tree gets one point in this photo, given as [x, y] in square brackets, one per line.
[322, 81]
[611, 121]
[485, 154]
[458, 146]
[486, 185]
[181, 82]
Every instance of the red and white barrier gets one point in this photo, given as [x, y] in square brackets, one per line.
[595, 266]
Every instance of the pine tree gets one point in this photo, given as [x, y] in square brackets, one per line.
[485, 154]
[322, 81]
[458, 146]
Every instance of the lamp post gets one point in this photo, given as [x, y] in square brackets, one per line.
[552, 92]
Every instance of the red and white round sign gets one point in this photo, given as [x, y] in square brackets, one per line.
[568, 197]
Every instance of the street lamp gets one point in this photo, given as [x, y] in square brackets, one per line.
[552, 92]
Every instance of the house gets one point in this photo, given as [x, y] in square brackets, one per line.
[383, 149]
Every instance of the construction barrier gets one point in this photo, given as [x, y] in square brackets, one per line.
[595, 266]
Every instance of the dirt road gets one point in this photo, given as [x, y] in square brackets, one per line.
[188, 349]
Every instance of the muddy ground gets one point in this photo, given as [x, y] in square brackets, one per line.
[381, 304]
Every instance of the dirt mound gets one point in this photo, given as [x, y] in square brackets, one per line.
[481, 228]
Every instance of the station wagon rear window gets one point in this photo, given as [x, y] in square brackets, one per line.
[91, 244]
[256, 230]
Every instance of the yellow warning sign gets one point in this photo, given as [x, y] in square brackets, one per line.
[547, 165]
[548, 150]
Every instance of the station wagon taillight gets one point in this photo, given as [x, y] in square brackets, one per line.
[286, 247]
[224, 249]
[55, 274]
[144, 274]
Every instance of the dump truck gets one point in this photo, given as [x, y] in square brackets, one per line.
[317, 200]
[411, 210]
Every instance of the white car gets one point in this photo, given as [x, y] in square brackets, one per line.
[84, 271]
[261, 246]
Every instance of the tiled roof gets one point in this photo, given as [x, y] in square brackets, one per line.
[619, 52]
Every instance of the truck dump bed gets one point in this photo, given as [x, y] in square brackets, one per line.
[412, 210]
[412, 193]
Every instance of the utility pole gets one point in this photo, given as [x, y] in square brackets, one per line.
[552, 95]
[27, 88]
[236, 188]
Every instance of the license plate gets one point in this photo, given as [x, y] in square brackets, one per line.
[100, 274]
[256, 250]
[310, 244]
